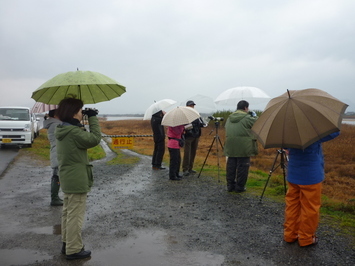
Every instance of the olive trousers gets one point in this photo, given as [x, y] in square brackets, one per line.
[302, 213]
[73, 213]
[190, 149]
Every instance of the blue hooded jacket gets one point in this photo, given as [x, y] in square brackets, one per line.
[306, 167]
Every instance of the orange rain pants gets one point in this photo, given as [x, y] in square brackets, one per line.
[302, 213]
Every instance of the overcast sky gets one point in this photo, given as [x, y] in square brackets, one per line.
[179, 48]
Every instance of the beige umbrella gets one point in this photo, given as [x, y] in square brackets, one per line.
[180, 115]
[298, 118]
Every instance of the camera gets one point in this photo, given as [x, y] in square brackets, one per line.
[252, 114]
[86, 111]
[216, 118]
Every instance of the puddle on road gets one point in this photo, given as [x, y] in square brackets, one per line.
[21, 256]
[147, 248]
[48, 230]
[152, 248]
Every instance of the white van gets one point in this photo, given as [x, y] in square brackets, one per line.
[16, 126]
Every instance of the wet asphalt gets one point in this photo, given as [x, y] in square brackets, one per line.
[136, 216]
[7, 155]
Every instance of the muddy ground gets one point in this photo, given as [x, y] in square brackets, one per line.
[136, 216]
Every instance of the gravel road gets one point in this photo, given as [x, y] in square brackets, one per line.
[136, 216]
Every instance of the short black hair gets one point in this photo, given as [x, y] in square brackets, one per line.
[68, 107]
[242, 105]
[52, 112]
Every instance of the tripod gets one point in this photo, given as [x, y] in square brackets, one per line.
[216, 140]
[284, 159]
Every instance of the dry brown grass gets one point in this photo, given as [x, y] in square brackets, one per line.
[339, 185]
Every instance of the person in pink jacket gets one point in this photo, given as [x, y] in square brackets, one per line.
[174, 134]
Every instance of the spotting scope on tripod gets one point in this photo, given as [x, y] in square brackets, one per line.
[283, 164]
[216, 140]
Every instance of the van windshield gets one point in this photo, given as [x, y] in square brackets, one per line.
[14, 114]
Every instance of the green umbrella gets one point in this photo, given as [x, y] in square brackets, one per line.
[89, 86]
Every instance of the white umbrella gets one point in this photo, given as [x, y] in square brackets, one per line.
[232, 96]
[162, 105]
[204, 104]
[42, 107]
[180, 115]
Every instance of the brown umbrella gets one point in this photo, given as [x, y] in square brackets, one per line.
[298, 118]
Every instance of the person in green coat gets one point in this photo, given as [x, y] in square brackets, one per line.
[75, 171]
[239, 146]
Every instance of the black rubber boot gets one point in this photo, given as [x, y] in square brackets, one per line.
[55, 185]
[63, 251]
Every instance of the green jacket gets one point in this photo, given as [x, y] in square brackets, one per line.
[240, 141]
[75, 171]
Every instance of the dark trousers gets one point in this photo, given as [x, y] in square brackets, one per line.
[175, 161]
[237, 173]
[190, 148]
[158, 154]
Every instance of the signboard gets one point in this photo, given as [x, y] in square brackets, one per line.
[122, 142]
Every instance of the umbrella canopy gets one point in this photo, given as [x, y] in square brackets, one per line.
[89, 86]
[42, 107]
[204, 104]
[162, 105]
[180, 115]
[250, 94]
[298, 118]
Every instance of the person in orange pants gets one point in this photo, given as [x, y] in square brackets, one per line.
[302, 213]
[305, 174]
